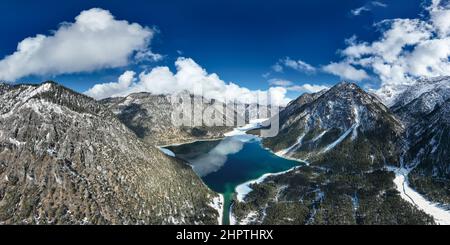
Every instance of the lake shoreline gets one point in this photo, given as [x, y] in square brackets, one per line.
[240, 189]
[243, 189]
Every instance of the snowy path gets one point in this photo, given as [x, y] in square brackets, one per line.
[440, 215]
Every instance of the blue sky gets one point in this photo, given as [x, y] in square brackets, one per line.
[241, 41]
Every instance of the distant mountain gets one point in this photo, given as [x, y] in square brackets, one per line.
[67, 159]
[347, 137]
[344, 123]
[421, 98]
[429, 153]
[423, 108]
[150, 117]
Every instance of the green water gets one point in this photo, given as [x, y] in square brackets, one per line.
[224, 164]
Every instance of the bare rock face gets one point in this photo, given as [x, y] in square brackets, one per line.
[66, 159]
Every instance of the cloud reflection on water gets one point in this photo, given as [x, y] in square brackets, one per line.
[217, 157]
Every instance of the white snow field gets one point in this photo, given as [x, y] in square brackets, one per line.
[441, 215]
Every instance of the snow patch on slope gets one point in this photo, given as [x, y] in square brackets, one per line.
[357, 122]
[251, 217]
[232, 218]
[287, 150]
[16, 142]
[340, 139]
[319, 136]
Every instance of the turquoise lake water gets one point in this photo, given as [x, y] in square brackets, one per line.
[226, 163]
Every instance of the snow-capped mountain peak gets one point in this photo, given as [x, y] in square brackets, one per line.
[394, 95]
[421, 98]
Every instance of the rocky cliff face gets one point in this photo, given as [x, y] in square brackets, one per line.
[66, 159]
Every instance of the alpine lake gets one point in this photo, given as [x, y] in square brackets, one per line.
[229, 162]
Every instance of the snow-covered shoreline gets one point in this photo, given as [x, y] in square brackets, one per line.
[283, 155]
[254, 124]
[441, 215]
[166, 151]
[243, 189]
[218, 204]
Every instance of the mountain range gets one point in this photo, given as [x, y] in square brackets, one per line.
[350, 140]
[66, 158]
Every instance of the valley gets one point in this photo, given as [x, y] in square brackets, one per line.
[206, 113]
[339, 158]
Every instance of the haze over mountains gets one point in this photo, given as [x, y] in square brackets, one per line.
[66, 158]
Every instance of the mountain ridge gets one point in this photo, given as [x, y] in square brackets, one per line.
[341, 114]
[347, 138]
[67, 159]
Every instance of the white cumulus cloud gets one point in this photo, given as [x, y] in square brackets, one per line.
[280, 82]
[440, 17]
[189, 77]
[407, 49]
[96, 40]
[113, 88]
[346, 71]
[297, 65]
[307, 88]
[277, 67]
[291, 86]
